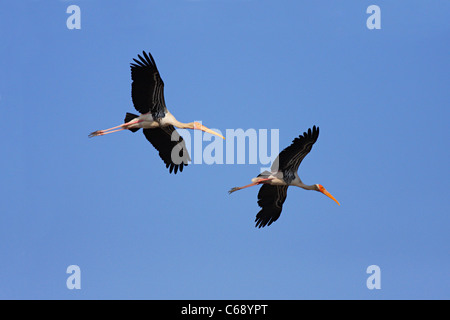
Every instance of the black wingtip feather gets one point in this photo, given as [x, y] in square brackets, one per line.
[266, 217]
[138, 63]
[146, 57]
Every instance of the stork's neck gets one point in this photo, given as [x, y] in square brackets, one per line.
[170, 119]
[182, 125]
[309, 187]
[297, 182]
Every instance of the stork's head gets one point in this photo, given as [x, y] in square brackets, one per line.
[320, 188]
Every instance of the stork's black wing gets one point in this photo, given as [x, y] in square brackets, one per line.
[170, 145]
[290, 158]
[147, 88]
[270, 199]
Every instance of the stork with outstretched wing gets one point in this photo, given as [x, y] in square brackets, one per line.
[283, 174]
[158, 124]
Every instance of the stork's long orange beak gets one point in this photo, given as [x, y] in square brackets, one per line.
[325, 192]
[199, 126]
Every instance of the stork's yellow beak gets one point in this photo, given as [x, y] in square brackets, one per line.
[199, 126]
[325, 192]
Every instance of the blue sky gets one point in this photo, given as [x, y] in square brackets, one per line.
[108, 205]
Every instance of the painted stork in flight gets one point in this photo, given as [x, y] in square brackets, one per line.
[147, 93]
[283, 174]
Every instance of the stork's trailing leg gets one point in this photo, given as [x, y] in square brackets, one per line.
[121, 127]
[249, 185]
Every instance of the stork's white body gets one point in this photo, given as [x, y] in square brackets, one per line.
[276, 179]
[146, 121]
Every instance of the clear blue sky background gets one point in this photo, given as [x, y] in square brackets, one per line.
[108, 205]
